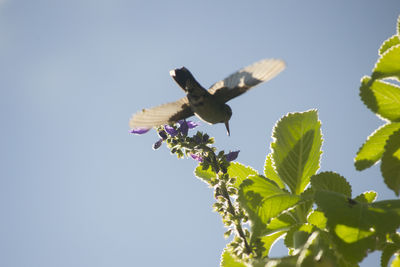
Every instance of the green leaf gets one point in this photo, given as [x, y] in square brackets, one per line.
[396, 261]
[313, 248]
[372, 150]
[269, 240]
[263, 200]
[298, 235]
[331, 181]
[387, 253]
[388, 65]
[356, 227]
[270, 172]
[289, 261]
[227, 260]
[398, 26]
[381, 97]
[390, 166]
[318, 219]
[281, 223]
[366, 197]
[205, 175]
[277, 227]
[297, 148]
[392, 41]
[305, 206]
[240, 172]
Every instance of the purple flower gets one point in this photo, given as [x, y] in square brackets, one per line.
[192, 124]
[170, 130]
[184, 127]
[197, 157]
[232, 155]
[140, 130]
[162, 134]
[157, 144]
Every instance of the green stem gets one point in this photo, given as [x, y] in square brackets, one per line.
[300, 215]
[238, 225]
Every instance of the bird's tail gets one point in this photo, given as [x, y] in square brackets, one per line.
[184, 79]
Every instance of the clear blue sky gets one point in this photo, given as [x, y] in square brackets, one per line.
[76, 189]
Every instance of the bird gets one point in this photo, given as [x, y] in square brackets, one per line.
[208, 105]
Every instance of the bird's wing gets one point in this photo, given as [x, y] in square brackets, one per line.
[163, 114]
[242, 80]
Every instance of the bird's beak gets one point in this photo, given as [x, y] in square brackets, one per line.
[227, 128]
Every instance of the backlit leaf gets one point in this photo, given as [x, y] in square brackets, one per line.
[240, 172]
[263, 200]
[381, 97]
[390, 166]
[372, 150]
[296, 149]
[388, 66]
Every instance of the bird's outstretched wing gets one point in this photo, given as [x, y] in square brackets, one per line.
[242, 80]
[163, 114]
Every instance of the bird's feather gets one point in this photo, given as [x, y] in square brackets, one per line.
[222, 91]
[164, 114]
[246, 78]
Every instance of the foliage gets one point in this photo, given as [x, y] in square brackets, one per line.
[381, 95]
[321, 222]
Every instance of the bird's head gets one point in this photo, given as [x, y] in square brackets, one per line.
[227, 117]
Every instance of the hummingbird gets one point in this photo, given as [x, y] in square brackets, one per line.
[208, 105]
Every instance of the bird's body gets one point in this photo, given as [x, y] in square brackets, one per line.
[204, 105]
[209, 105]
[208, 108]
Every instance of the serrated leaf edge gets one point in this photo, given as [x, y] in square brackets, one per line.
[293, 114]
[335, 173]
[386, 148]
[387, 41]
[246, 166]
[380, 60]
[368, 138]
[398, 26]
[381, 81]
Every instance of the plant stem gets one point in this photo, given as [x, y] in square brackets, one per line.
[238, 225]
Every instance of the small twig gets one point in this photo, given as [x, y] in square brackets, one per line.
[231, 209]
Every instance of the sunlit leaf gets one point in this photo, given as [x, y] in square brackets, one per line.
[296, 149]
[269, 240]
[227, 260]
[366, 197]
[318, 219]
[270, 172]
[331, 181]
[396, 261]
[352, 234]
[204, 175]
[289, 261]
[398, 26]
[281, 223]
[355, 226]
[263, 200]
[381, 97]
[371, 151]
[240, 172]
[388, 65]
[390, 166]
[392, 41]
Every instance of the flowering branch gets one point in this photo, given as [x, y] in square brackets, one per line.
[199, 147]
